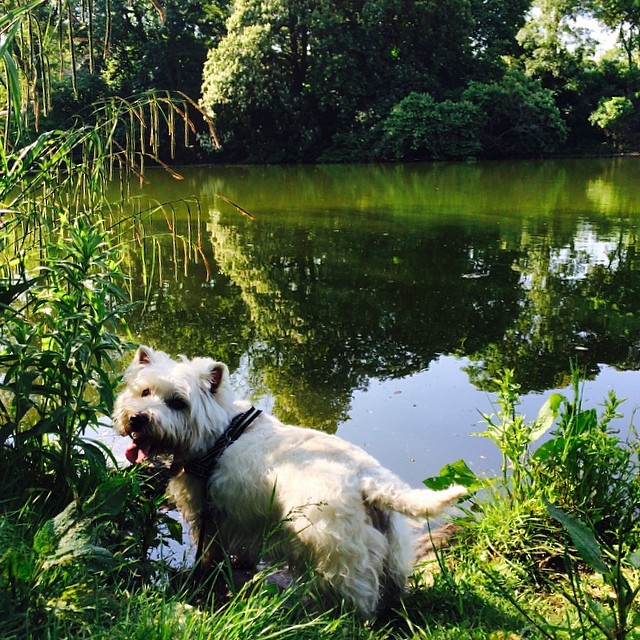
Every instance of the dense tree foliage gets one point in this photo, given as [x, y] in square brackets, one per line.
[521, 117]
[418, 126]
[624, 17]
[394, 79]
[293, 77]
[303, 81]
[160, 44]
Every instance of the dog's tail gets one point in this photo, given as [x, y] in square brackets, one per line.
[396, 496]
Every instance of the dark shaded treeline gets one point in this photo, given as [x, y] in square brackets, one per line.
[307, 81]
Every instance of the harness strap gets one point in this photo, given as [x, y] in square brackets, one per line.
[203, 467]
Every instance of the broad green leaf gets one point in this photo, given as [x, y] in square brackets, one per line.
[108, 499]
[550, 448]
[583, 538]
[547, 415]
[634, 559]
[174, 527]
[44, 541]
[68, 538]
[454, 473]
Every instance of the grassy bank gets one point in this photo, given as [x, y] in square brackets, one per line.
[549, 549]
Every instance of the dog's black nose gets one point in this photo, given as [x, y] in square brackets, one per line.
[138, 422]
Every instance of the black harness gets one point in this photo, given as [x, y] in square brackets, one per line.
[203, 467]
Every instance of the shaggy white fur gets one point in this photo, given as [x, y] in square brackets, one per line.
[279, 492]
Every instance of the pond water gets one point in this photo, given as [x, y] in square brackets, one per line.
[378, 301]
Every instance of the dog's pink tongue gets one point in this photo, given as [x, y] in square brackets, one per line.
[134, 454]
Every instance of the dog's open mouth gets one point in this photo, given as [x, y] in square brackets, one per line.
[138, 451]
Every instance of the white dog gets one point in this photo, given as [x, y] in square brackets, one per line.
[320, 502]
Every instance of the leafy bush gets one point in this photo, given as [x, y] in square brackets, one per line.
[521, 117]
[583, 481]
[57, 350]
[514, 116]
[590, 471]
[585, 466]
[419, 128]
[617, 117]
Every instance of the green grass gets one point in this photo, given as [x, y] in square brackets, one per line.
[470, 592]
[95, 607]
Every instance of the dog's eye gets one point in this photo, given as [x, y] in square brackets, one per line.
[145, 393]
[176, 403]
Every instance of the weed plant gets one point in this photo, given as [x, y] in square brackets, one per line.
[69, 528]
[57, 355]
[584, 467]
[563, 516]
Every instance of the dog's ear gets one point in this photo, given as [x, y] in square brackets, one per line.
[143, 356]
[217, 374]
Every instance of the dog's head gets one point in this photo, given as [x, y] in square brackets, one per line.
[170, 406]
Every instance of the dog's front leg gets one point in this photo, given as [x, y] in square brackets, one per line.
[215, 562]
[212, 562]
[206, 534]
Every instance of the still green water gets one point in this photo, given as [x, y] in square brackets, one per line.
[377, 301]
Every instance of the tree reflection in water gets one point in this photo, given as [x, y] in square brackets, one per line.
[350, 274]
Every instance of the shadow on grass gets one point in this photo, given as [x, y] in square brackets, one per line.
[459, 610]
